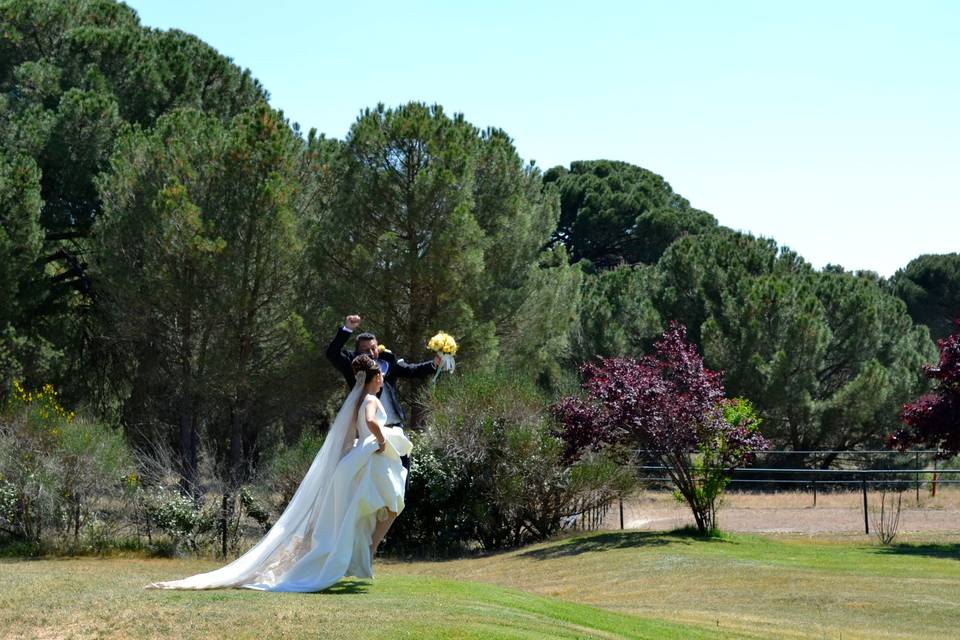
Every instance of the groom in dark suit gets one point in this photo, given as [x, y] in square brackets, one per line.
[391, 367]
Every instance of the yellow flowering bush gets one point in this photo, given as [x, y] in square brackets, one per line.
[41, 408]
[59, 467]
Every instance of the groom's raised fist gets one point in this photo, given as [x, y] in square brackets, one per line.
[351, 322]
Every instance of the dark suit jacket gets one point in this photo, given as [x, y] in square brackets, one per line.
[341, 358]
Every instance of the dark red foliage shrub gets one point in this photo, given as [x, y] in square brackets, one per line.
[933, 420]
[669, 403]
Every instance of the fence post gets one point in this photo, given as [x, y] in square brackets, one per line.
[621, 513]
[917, 467]
[223, 525]
[933, 480]
[813, 483]
[866, 522]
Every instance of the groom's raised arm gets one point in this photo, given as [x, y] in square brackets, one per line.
[338, 357]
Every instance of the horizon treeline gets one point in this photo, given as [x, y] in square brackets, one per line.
[175, 256]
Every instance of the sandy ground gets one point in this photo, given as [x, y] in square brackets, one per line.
[793, 512]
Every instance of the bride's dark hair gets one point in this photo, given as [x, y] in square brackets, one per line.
[364, 364]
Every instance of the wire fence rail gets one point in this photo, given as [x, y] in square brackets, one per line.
[824, 469]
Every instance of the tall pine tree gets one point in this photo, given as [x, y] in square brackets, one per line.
[438, 225]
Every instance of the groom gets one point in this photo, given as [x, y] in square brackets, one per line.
[391, 367]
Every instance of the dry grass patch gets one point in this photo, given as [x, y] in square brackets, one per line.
[836, 513]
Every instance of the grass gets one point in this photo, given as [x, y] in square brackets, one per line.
[603, 585]
[750, 586]
[91, 597]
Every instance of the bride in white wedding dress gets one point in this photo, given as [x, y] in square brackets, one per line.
[341, 511]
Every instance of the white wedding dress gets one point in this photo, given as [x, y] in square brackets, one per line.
[325, 532]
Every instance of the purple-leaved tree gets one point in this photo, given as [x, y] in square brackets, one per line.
[933, 419]
[672, 405]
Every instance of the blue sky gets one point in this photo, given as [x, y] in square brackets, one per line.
[830, 126]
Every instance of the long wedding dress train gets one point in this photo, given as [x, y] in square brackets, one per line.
[325, 532]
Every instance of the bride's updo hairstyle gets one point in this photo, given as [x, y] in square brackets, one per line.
[365, 364]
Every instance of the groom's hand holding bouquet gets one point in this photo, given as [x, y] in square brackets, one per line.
[445, 346]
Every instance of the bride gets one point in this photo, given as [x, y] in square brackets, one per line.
[340, 512]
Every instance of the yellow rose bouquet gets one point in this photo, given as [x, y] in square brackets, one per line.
[446, 347]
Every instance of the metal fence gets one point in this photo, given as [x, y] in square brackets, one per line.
[816, 471]
[589, 515]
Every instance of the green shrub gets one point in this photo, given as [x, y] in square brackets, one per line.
[437, 517]
[58, 472]
[218, 518]
[187, 523]
[487, 470]
[215, 521]
[289, 465]
[8, 501]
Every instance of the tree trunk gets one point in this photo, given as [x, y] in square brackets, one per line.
[236, 447]
[188, 445]
[188, 453]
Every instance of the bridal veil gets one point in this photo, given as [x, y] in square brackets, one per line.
[308, 533]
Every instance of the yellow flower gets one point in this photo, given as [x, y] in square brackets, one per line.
[443, 343]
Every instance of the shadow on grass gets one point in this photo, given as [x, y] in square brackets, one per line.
[946, 551]
[347, 587]
[620, 540]
[20, 550]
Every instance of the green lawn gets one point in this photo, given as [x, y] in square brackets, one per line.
[606, 585]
